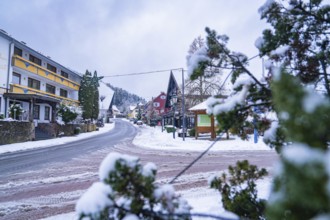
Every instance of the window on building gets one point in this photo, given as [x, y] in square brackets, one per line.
[156, 104]
[51, 67]
[50, 89]
[18, 51]
[64, 74]
[16, 78]
[63, 93]
[35, 60]
[33, 83]
[47, 113]
[36, 111]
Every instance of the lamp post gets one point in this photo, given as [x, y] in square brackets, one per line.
[174, 100]
[183, 109]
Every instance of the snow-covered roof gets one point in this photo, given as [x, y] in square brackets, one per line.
[114, 108]
[200, 106]
[107, 92]
[132, 107]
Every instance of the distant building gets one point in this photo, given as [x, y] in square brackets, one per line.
[159, 103]
[115, 111]
[155, 109]
[34, 81]
[106, 96]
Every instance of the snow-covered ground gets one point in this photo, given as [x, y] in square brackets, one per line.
[149, 137]
[203, 200]
[51, 142]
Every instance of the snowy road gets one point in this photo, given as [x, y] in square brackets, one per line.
[24, 161]
[47, 189]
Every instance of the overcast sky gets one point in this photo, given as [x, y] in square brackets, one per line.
[129, 36]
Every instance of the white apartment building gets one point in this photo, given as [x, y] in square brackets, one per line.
[34, 81]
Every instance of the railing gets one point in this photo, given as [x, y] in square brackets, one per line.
[15, 88]
[40, 71]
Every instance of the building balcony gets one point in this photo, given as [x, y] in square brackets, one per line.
[45, 73]
[19, 89]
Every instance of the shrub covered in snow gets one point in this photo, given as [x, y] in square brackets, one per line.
[68, 112]
[239, 192]
[15, 110]
[127, 190]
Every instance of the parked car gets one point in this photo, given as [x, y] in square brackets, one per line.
[139, 122]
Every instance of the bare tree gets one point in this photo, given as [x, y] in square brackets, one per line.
[205, 85]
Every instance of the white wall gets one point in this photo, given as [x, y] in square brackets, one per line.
[4, 55]
[42, 113]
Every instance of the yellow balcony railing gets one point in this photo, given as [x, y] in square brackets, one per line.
[15, 88]
[40, 71]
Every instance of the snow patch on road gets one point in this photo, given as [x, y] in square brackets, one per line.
[48, 180]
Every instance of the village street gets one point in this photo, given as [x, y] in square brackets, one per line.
[48, 181]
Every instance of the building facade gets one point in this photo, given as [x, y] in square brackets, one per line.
[34, 81]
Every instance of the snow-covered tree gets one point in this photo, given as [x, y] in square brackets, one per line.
[68, 113]
[127, 189]
[296, 89]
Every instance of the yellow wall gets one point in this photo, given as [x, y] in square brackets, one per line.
[26, 90]
[36, 69]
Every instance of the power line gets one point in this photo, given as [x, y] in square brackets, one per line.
[143, 73]
[160, 71]
[194, 161]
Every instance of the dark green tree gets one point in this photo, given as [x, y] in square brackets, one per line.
[89, 95]
[296, 89]
[239, 190]
[86, 95]
[95, 85]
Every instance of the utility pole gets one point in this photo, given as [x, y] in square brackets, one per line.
[183, 109]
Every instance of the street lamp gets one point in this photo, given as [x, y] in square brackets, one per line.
[174, 100]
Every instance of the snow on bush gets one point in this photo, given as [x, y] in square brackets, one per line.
[270, 134]
[230, 103]
[300, 154]
[199, 56]
[280, 51]
[243, 79]
[95, 200]
[312, 100]
[265, 7]
[127, 190]
[303, 170]
[259, 42]
[149, 169]
[108, 165]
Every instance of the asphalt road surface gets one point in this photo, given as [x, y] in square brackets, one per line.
[39, 183]
[36, 158]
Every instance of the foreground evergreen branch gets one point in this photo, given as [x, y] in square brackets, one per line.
[238, 190]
